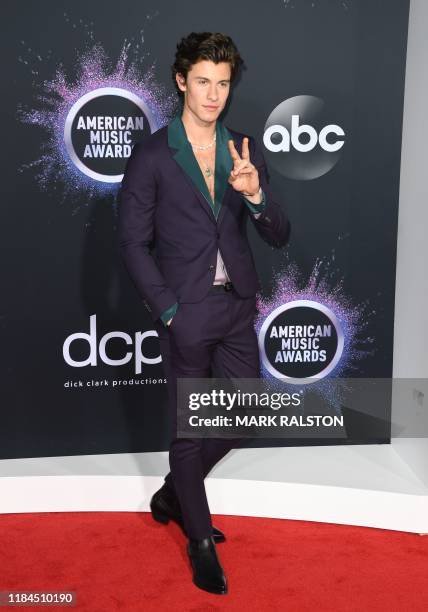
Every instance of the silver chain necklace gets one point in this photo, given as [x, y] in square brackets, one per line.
[203, 147]
[208, 171]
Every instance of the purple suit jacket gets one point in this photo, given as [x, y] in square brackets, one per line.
[168, 233]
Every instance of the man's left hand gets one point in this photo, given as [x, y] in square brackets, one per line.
[244, 176]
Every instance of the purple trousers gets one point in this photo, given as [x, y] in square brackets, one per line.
[214, 337]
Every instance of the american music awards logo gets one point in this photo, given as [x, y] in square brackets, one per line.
[101, 129]
[91, 123]
[301, 340]
[310, 332]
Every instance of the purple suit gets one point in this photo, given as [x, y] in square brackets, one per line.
[165, 205]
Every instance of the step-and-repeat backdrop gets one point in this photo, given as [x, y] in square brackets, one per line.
[322, 92]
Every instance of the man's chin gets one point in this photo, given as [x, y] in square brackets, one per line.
[209, 116]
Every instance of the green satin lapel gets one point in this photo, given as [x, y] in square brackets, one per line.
[184, 156]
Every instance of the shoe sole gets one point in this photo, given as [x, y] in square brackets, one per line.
[211, 590]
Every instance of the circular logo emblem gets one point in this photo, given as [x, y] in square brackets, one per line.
[101, 128]
[301, 341]
[301, 140]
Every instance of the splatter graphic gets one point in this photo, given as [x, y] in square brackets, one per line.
[93, 70]
[321, 287]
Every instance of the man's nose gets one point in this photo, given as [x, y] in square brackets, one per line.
[212, 93]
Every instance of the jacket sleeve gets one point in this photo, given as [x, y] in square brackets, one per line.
[272, 224]
[136, 210]
[256, 209]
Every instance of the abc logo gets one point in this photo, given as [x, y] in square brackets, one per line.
[296, 131]
[301, 143]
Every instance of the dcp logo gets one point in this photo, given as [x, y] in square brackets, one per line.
[107, 346]
[301, 141]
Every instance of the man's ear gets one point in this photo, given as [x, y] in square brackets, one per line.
[181, 81]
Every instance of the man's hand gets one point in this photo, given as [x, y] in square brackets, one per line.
[244, 177]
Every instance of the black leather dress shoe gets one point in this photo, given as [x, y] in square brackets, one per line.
[164, 507]
[207, 571]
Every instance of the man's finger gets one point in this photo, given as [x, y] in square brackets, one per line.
[245, 170]
[233, 152]
[245, 149]
[239, 166]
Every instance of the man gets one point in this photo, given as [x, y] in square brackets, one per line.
[187, 192]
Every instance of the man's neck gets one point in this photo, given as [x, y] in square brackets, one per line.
[199, 132]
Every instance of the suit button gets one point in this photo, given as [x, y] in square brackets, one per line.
[211, 267]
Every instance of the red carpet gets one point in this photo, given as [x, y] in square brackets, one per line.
[126, 561]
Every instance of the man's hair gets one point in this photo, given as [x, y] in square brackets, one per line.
[215, 47]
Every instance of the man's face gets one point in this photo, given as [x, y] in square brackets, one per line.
[206, 89]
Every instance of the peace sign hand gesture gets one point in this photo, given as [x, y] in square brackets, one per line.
[244, 176]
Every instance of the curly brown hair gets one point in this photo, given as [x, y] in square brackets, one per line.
[212, 46]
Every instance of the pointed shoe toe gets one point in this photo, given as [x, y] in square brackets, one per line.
[208, 574]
